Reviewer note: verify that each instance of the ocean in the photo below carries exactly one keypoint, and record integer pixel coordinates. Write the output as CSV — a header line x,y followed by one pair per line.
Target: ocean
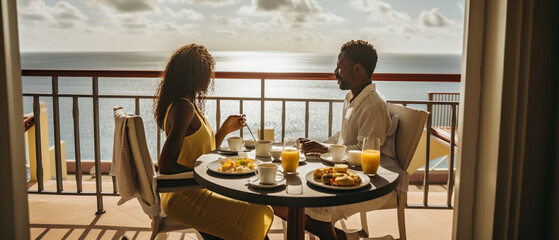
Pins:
x,y
260,61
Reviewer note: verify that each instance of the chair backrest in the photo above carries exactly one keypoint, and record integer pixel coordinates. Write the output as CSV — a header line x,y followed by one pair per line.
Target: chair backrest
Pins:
x,y
140,163
410,126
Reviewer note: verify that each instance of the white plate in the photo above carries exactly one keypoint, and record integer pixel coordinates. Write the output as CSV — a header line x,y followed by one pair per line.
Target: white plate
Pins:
x,y
328,158
217,163
256,183
364,181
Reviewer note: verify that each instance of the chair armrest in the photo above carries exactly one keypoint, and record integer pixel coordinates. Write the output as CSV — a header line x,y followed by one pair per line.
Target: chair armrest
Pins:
x,y
176,182
182,175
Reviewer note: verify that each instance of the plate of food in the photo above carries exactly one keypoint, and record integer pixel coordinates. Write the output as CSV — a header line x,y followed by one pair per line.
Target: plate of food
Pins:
x,y
337,178
233,166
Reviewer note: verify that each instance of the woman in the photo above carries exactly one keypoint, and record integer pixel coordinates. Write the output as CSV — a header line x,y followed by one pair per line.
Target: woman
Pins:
x,y
178,106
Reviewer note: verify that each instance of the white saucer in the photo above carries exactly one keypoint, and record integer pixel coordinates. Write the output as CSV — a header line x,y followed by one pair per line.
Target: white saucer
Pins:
x,y
328,158
227,150
269,155
256,183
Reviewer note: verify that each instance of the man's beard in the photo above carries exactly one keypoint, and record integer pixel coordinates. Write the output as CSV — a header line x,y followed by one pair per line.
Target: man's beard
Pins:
x,y
343,84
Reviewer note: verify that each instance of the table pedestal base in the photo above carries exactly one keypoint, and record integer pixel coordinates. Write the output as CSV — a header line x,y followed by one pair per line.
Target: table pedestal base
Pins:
x,y
295,223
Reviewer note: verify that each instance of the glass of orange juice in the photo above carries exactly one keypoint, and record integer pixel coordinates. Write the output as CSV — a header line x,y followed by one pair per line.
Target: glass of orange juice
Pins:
x,y
289,156
370,157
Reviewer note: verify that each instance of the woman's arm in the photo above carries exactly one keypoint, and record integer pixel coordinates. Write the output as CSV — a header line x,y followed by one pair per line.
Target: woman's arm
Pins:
x,y
231,124
178,121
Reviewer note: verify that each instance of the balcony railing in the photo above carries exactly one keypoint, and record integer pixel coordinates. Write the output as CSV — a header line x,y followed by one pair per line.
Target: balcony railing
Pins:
x,y
95,75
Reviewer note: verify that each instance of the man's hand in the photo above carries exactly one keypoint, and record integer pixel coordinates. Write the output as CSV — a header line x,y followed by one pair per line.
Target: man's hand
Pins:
x,y
310,146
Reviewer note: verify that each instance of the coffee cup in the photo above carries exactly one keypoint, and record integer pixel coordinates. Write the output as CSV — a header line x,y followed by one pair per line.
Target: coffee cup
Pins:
x,y
337,151
276,153
263,148
354,157
266,172
249,142
235,143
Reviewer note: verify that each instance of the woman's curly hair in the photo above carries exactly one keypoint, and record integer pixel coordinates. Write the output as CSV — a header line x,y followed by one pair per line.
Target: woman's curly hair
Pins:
x,y
189,74
360,51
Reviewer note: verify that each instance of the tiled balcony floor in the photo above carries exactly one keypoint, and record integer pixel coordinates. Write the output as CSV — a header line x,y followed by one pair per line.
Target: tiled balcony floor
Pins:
x,y
73,217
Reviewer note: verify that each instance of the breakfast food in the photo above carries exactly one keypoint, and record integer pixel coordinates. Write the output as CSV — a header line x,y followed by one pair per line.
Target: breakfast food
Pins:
x,y
342,168
336,176
238,165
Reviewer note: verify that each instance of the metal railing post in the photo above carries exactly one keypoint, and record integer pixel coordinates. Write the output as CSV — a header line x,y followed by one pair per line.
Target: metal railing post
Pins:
x,y
56,120
38,143
427,155
76,118
282,120
137,106
241,112
158,142
330,118
217,114
98,186
450,185
307,119
262,104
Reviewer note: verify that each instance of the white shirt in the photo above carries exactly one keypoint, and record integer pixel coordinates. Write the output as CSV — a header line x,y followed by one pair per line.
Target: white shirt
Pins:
x,y
366,116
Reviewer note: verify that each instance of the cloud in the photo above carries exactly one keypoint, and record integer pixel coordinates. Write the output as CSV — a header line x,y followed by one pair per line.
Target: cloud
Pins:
x,y
156,19
130,6
183,14
211,3
66,12
62,15
433,18
231,22
143,24
293,13
380,12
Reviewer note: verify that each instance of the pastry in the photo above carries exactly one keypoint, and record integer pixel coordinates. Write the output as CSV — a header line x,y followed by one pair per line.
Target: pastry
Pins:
x,y
341,168
345,181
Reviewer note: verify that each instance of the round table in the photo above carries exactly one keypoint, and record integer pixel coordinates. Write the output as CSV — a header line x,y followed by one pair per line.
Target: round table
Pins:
x,y
238,187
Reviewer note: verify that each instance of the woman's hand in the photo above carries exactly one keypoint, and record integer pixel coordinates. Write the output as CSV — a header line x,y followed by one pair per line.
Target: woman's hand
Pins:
x,y
233,123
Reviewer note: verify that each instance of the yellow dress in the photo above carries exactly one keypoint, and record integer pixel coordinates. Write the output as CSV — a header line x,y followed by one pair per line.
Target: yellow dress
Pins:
x,y
210,212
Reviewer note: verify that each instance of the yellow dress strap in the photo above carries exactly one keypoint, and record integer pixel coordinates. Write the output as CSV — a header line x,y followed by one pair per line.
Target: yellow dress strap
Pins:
x,y
193,146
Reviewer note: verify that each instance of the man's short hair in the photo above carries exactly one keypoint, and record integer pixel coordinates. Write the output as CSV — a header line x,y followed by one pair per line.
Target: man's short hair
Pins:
x,y
360,51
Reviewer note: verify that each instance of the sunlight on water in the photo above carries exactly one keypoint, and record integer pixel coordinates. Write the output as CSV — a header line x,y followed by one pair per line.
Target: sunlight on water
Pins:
x,y
251,61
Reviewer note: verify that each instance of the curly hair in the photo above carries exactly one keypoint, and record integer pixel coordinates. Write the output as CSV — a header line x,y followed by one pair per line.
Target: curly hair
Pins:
x,y
360,51
189,74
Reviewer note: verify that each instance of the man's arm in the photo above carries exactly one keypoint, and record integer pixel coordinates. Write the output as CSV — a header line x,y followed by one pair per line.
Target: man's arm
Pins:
x,y
308,145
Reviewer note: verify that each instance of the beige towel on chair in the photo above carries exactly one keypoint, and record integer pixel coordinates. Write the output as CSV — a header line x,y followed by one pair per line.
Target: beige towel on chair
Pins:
x,y
122,165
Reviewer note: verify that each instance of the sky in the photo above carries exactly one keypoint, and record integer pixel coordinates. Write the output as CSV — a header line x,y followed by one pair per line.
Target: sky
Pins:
x,y
399,26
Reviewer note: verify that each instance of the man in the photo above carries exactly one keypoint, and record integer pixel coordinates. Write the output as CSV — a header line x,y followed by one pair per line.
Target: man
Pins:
x,y
365,114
